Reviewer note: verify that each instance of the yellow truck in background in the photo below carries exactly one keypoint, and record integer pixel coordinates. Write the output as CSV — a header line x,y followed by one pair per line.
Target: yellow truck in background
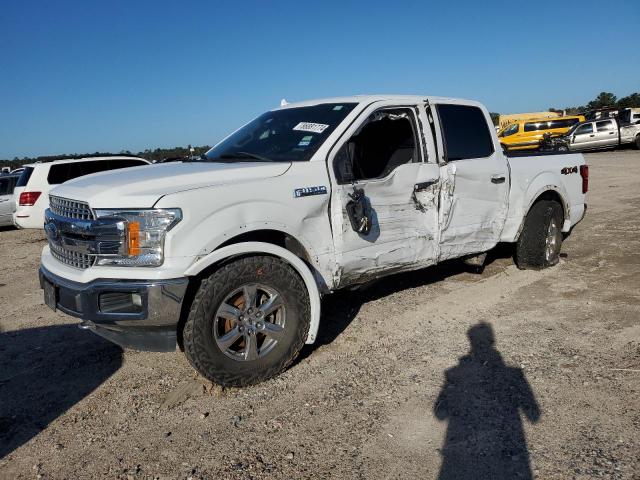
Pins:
x,y
527,134
510,118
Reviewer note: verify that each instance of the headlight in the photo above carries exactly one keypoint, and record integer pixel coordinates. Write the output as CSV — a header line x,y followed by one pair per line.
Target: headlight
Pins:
x,y
144,235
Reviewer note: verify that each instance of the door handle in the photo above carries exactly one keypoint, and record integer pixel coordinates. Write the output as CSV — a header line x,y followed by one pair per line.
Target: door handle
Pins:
x,y
612,133
423,185
592,135
498,179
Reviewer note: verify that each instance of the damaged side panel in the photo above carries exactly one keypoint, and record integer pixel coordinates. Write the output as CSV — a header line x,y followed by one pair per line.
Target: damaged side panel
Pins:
x,y
403,233
473,205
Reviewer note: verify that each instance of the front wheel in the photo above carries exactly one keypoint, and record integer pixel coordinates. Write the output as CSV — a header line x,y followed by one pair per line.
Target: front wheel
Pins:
x,y
637,143
541,237
248,321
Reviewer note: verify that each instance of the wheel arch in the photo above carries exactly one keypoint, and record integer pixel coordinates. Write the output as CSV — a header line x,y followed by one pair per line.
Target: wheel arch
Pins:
x,y
548,192
248,244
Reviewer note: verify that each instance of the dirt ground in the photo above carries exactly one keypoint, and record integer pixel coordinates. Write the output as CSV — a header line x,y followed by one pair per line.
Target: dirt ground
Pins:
x,y
441,373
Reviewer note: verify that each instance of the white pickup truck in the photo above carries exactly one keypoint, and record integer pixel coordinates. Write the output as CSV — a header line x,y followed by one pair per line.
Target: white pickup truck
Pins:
x,y
229,256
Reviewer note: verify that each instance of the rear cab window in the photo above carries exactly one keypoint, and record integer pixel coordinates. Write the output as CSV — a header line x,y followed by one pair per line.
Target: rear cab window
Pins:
x,y
605,126
465,132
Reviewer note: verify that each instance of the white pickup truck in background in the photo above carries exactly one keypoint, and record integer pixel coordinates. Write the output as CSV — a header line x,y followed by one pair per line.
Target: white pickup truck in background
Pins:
x,y
594,135
228,256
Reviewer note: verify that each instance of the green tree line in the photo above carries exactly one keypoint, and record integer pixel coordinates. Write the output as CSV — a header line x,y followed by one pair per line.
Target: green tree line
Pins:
x,y
603,100
152,155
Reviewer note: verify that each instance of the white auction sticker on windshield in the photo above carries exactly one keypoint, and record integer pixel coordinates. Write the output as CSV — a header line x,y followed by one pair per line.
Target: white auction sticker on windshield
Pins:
x,y
311,127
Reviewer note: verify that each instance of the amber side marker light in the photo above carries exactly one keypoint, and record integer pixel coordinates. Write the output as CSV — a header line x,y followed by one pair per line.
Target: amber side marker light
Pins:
x,y
133,239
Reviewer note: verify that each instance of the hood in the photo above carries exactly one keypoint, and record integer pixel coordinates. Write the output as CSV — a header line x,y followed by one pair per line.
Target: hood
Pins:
x,y
142,187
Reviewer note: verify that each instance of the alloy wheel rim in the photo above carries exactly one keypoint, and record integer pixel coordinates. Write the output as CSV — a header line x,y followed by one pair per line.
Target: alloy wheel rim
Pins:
x,y
551,244
249,322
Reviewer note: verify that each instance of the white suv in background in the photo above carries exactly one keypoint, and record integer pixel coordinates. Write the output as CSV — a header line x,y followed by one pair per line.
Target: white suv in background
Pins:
x,y
32,190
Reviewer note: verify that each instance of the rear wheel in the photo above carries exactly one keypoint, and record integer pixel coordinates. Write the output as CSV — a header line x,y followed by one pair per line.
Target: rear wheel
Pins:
x,y
638,142
247,322
541,238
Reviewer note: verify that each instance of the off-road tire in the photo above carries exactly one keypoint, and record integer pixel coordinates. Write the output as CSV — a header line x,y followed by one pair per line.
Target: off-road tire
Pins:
x,y
532,244
200,347
637,142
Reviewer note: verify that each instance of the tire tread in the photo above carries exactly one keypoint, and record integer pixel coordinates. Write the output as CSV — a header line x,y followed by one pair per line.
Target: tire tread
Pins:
x,y
201,310
530,248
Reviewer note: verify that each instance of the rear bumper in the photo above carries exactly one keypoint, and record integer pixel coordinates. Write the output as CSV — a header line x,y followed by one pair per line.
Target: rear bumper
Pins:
x,y
147,323
28,217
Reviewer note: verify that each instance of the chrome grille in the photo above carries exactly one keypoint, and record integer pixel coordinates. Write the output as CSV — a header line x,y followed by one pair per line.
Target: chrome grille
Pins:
x,y
73,259
73,210
70,208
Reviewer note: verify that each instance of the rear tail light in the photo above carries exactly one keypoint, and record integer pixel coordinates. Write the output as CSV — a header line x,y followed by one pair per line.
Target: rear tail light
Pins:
x,y
28,199
584,173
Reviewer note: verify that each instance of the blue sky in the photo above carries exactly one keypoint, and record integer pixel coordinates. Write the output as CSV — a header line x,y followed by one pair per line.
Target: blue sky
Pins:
x,y
82,76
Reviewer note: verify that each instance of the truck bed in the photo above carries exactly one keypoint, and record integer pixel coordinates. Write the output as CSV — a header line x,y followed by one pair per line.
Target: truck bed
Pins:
x,y
532,175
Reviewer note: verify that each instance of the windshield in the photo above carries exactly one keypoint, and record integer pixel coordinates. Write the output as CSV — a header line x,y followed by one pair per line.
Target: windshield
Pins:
x,y
509,130
287,135
573,129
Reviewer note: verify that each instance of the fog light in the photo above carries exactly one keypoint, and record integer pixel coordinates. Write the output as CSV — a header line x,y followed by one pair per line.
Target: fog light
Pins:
x,y
136,299
120,302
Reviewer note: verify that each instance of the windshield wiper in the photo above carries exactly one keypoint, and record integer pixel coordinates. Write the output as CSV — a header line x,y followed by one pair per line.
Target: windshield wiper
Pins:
x,y
242,155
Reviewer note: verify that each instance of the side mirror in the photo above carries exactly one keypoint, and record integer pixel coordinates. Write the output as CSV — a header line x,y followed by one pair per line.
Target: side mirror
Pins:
x,y
359,212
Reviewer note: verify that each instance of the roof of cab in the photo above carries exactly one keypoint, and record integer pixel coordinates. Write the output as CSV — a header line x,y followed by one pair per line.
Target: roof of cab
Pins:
x,y
367,99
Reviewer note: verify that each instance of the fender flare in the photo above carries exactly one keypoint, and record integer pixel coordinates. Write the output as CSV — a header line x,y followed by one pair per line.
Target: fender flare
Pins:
x,y
534,198
270,249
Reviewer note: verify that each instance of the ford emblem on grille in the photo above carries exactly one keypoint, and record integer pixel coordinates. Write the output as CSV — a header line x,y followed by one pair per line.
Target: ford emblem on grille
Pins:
x,y
52,232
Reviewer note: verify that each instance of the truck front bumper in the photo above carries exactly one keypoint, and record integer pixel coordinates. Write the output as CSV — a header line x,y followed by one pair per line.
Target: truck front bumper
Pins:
x,y
137,314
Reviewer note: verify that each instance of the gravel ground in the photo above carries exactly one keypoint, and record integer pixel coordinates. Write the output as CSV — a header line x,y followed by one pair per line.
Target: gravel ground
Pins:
x,y
440,373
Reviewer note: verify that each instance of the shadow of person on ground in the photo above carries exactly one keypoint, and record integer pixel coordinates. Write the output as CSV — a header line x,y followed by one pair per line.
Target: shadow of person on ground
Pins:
x,y
482,399
44,372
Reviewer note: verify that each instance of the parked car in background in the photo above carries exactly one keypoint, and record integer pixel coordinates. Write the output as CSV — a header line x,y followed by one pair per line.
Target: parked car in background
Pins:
x,y
7,205
594,135
527,134
32,189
